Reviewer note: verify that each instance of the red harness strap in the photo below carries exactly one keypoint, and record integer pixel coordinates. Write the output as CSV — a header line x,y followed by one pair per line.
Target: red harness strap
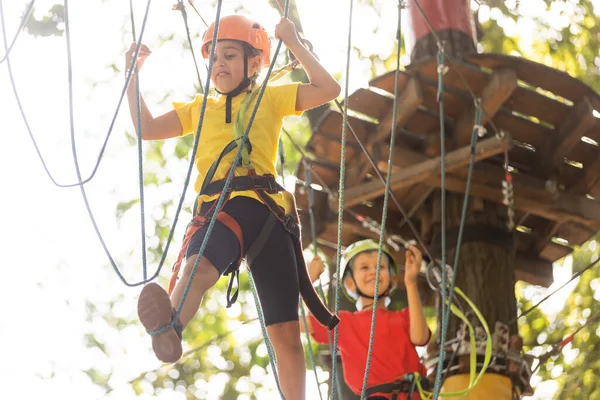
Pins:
x,y
197,223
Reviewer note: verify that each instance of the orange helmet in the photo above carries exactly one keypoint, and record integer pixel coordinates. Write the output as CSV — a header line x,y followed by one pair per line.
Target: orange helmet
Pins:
x,y
243,29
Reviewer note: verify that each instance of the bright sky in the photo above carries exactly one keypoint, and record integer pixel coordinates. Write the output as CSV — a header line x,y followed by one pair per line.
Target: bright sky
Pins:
x,y
53,261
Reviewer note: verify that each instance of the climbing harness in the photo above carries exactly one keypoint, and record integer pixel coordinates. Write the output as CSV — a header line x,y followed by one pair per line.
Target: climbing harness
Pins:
x,y
262,185
406,384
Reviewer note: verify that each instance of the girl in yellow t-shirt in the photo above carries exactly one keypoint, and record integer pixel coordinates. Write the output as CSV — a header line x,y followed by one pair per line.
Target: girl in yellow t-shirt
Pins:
x,y
241,50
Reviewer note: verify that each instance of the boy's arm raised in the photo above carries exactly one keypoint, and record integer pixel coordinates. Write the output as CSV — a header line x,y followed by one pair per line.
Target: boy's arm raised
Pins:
x,y
315,269
163,127
419,331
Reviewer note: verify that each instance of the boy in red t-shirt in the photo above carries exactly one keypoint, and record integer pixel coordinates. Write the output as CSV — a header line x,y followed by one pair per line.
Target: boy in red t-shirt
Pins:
x,y
396,332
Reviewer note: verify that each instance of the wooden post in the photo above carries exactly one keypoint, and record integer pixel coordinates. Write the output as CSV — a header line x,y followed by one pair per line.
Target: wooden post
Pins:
x,y
452,21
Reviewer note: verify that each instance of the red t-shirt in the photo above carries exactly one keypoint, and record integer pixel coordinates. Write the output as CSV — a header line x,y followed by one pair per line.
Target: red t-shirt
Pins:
x,y
393,353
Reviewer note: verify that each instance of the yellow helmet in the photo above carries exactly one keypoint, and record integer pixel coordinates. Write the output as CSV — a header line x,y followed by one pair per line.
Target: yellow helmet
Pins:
x,y
352,251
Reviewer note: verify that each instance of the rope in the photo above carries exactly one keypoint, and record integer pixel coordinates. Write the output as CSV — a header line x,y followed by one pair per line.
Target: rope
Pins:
x,y
114,118
84,194
311,354
385,206
365,221
341,202
261,318
450,58
139,147
181,7
392,195
195,9
473,378
444,283
556,348
575,276
308,340
24,20
313,231
74,148
446,317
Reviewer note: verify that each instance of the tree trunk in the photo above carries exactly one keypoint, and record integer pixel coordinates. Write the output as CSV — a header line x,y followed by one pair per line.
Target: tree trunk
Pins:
x,y
485,271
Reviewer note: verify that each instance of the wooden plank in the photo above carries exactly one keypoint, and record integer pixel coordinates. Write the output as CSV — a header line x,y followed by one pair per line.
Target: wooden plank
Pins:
x,y
595,191
522,129
456,76
567,136
528,102
533,270
386,81
564,207
574,233
590,178
495,93
426,169
454,104
328,147
423,122
323,173
554,251
533,190
539,75
584,153
368,102
331,124
410,98
566,174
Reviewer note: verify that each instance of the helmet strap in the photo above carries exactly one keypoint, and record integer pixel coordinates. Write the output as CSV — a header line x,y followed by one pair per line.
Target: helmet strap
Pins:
x,y
246,82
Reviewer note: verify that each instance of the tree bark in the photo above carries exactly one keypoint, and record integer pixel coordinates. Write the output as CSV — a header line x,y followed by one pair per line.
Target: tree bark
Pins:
x,y
485,271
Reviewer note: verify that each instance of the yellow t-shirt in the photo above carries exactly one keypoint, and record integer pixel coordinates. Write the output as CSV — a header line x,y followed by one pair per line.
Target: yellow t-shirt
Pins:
x,y
277,102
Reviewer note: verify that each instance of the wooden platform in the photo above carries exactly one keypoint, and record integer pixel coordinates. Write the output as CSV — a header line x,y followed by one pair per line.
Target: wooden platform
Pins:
x,y
552,133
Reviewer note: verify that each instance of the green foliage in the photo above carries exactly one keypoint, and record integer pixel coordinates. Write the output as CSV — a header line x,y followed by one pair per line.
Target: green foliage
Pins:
x,y
567,33
51,24
575,366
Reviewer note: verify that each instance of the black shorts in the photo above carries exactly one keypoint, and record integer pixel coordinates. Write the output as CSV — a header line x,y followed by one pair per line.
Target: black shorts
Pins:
x,y
274,269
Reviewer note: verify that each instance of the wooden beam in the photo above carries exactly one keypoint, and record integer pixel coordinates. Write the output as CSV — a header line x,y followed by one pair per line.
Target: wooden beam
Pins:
x,y
495,93
410,98
533,270
568,135
591,176
424,170
563,206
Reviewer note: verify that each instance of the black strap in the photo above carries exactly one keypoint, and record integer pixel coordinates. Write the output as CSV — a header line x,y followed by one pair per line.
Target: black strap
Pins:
x,y
307,290
213,168
261,239
400,386
235,276
265,183
178,327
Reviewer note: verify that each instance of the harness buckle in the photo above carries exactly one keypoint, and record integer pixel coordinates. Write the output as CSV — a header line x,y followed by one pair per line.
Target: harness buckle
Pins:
x,y
267,183
291,225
